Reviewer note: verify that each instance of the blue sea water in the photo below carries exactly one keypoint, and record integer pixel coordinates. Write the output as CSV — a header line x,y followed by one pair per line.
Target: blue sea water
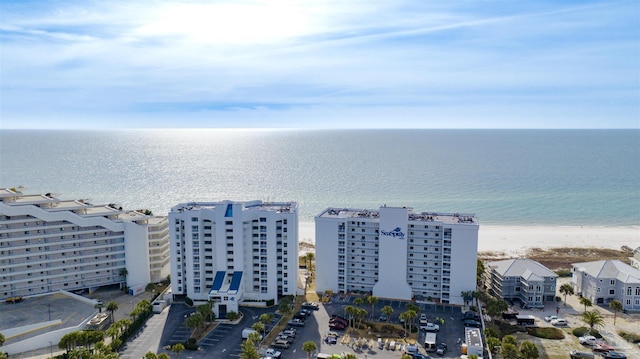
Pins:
x,y
505,177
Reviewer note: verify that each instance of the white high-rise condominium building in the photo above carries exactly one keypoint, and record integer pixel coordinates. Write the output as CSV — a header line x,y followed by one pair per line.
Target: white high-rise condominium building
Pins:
x,y
396,253
48,244
231,251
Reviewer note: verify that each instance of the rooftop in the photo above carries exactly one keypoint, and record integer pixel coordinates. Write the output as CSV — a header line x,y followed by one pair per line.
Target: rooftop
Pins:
x,y
256,205
451,218
609,269
521,267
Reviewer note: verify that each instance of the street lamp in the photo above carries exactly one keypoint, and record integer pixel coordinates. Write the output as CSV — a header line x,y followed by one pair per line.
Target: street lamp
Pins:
x,y
49,305
50,349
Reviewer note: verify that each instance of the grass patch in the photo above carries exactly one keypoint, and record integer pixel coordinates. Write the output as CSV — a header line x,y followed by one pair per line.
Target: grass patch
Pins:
x,y
501,328
546,332
630,337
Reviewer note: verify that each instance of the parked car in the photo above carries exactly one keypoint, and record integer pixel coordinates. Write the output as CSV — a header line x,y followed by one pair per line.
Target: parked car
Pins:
x,y
614,355
296,323
333,334
330,340
423,316
285,338
270,352
383,318
575,354
602,348
310,305
472,323
411,348
559,322
430,327
280,344
441,349
290,332
588,340
470,316
337,326
550,318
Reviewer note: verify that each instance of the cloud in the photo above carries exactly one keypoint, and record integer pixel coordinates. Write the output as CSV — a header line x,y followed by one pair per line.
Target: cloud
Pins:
x,y
244,62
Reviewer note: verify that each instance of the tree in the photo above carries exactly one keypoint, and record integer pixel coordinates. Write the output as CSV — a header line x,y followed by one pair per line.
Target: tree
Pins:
x,y
412,315
231,315
593,319
387,310
566,289
479,270
350,311
99,306
194,321
616,306
528,350
586,302
493,344
466,295
249,350
508,351
259,327
371,300
509,339
112,306
163,356
360,314
309,347
2,339
177,348
309,259
284,308
123,273
495,307
358,302
206,311
404,317
150,355
266,318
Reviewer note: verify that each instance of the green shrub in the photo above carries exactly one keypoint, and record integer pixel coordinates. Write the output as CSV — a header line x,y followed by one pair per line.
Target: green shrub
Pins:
x,y
499,328
630,337
188,301
563,272
271,302
191,344
580,331
546,333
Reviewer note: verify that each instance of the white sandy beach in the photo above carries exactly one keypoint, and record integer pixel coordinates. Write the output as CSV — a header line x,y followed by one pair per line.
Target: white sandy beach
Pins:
x,y
516,239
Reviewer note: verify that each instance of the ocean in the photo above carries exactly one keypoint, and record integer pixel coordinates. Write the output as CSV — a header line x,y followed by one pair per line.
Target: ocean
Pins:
x,y
504,177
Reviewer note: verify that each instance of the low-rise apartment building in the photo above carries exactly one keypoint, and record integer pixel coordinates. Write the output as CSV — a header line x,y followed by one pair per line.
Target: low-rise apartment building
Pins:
x,y
48,244
606,280
521,279
233,251
397,253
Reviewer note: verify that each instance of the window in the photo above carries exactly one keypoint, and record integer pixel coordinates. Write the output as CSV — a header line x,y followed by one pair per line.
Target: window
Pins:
x,y
194,219
613,282
637,290
598,290
629,290
612,291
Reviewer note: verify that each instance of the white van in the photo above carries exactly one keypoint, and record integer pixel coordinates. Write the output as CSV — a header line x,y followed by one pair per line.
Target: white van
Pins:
x,y
430,339
247,331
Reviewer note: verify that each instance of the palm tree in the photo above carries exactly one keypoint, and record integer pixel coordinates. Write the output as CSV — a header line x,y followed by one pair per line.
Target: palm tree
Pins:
x,y
112,306
358,302
360,314
163,356
586,302
99,306
259,327
593,319
351,311
616,306
309,347
404,316
177,348
309,258
412,315
387,310
566,289
528,350
372,301
123,273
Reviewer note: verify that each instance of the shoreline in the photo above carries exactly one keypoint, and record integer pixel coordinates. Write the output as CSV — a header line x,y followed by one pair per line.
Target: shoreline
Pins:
x,y
515,240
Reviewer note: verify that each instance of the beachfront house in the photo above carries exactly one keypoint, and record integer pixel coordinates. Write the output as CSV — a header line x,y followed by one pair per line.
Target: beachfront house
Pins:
x,y
606,280
522,280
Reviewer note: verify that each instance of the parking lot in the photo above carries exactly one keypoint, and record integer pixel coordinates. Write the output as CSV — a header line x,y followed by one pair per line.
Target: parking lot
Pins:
x,y
225,340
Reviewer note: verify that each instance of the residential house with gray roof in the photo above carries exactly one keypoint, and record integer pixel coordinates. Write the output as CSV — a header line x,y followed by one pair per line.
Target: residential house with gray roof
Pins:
x,y
606,280
521,279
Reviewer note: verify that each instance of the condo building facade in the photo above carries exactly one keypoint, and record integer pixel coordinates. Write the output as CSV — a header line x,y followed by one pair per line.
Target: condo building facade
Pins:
x,y
231,251
49,244
397,253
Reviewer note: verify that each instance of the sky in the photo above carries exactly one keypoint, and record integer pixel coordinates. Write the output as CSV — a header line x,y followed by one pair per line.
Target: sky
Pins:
x,y
319,64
